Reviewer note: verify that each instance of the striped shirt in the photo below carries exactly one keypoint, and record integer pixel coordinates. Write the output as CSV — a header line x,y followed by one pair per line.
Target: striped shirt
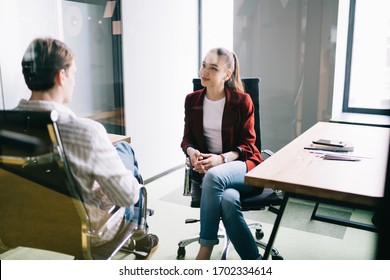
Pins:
x,y
103,179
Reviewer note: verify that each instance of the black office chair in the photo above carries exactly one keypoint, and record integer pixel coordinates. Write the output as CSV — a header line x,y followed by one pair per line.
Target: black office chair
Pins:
x,y
268,198
40,202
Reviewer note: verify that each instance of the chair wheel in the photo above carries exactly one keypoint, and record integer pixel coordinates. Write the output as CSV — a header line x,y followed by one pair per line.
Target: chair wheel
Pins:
x,y
259,234
277,258
181,253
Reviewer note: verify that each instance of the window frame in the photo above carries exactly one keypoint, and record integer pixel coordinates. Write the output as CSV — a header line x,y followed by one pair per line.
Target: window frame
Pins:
x,y
345,106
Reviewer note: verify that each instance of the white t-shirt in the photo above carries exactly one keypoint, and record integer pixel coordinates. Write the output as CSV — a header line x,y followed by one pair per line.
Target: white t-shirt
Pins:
x,y
212,124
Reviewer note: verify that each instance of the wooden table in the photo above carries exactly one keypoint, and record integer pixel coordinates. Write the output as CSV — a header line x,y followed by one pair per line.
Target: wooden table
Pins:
x,y
115,138
299,172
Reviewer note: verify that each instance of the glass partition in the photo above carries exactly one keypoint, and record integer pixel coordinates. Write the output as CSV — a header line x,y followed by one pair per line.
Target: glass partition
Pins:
x,y
92,29
290,46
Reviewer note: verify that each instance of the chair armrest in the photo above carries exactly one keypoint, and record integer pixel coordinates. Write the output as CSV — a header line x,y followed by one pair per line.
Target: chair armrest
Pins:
x,y
112,214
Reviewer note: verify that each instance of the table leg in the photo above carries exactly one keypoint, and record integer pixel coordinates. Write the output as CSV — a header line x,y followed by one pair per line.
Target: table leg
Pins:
x,y
276,226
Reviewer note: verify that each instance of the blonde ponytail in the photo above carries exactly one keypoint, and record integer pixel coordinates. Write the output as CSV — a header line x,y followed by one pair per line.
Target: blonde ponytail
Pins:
x,y
234,82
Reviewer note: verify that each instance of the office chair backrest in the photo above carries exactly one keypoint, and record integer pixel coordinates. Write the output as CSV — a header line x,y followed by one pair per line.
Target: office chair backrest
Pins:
x,y
40,206
252,87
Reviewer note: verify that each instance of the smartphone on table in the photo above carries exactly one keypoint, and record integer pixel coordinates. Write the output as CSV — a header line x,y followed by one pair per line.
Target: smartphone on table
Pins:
x,y
328,142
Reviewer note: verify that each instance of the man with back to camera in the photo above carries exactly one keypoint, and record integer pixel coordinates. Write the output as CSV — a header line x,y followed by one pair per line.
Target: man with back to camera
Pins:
x,y
107,175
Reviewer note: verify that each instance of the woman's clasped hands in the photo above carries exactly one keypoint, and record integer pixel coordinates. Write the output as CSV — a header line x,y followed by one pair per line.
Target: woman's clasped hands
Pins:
x,y
202,162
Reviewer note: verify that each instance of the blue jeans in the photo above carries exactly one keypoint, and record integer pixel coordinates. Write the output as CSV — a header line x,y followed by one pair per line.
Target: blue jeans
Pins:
x,y
222,186
127,155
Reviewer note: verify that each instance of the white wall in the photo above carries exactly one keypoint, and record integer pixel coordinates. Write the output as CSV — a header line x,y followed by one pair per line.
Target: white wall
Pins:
x,y
159,59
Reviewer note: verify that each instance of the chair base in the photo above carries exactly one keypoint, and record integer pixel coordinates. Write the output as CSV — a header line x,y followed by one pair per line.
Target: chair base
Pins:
x,y
259,234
